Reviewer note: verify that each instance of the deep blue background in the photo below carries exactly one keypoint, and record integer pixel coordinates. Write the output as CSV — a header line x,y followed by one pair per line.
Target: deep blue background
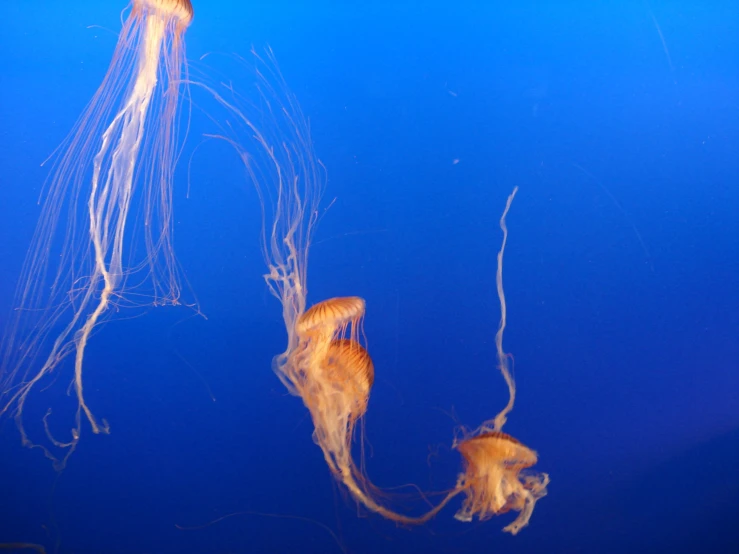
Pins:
x,y
621,275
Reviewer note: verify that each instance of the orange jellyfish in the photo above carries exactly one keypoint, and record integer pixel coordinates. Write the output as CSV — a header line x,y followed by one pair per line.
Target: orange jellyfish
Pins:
x,y
492,480
333,374
106,222
324,362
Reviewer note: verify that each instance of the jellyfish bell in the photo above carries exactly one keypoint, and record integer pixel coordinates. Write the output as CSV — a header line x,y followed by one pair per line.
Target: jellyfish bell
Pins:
x,y
180,9
332,313
350,365
115,169
493,482
331,318
349,369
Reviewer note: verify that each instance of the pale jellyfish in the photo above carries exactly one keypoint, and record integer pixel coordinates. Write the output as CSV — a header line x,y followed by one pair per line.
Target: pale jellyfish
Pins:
x,y
106,222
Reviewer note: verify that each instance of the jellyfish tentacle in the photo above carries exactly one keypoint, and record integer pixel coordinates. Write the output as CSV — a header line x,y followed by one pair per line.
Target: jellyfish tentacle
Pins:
x,y
503,358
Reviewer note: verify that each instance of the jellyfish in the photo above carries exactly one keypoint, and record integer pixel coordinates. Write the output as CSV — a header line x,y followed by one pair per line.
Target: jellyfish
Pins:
x,y
493,479
493,482
106,224
333,374
325,362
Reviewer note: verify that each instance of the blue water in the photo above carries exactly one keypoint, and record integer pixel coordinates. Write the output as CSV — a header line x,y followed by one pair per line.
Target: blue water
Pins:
x,y
620,124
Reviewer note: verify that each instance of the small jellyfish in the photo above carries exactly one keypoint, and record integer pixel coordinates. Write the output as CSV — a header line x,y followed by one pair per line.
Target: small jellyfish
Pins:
x,y
492,479
106,223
